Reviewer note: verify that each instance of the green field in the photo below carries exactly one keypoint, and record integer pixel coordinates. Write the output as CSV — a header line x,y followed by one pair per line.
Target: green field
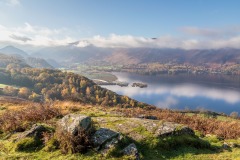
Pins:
x,y
101,75
3,85
106,76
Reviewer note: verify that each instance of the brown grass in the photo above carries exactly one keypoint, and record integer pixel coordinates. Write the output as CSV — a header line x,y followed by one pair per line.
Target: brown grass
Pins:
x,y
223,129
21,116
18,120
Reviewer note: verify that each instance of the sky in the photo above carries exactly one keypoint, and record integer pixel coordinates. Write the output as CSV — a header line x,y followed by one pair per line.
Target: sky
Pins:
x,y
188,24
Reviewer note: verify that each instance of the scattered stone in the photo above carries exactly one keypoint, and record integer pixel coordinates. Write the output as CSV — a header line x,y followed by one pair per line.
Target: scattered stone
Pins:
x,y
104,138
147,117
225,145
230,145
72,122
36,132
131,150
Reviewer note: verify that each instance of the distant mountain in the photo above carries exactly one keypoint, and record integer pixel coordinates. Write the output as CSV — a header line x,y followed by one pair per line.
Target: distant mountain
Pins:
x,y
73,54
147,55
38,63
11,50
91,54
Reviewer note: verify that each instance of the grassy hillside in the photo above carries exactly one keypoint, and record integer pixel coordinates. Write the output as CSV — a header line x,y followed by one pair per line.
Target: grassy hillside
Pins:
x,y
171,147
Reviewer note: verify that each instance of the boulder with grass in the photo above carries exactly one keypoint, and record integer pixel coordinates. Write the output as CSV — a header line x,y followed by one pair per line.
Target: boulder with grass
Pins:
x,y
73,122
74,132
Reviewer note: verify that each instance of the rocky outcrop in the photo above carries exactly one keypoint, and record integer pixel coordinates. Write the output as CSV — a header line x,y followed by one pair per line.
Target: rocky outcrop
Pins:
x,y
109,135
134,127
72,122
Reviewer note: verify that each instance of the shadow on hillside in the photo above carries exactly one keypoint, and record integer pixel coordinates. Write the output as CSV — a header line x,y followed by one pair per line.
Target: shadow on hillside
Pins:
x,y
170,146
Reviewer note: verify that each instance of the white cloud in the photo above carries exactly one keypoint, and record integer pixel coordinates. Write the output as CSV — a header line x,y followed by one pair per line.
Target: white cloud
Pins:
x,y
126,41
35,35
12,3
43,36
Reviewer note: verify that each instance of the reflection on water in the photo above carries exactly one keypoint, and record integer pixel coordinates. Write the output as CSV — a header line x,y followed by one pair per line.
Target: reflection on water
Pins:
x,y
216,93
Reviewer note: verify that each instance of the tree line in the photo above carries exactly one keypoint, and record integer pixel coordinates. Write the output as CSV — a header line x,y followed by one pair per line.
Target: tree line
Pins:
x,y
48,85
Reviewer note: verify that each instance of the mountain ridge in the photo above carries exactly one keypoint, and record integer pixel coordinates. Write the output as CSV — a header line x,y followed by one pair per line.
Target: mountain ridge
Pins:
x,y
126,56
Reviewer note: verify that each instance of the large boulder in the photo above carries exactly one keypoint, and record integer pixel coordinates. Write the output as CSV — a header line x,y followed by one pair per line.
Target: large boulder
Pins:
x,y
73,122
105,138
131,150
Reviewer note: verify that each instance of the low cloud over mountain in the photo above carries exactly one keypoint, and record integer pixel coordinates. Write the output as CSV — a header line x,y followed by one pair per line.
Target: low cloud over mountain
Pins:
x,y
190,38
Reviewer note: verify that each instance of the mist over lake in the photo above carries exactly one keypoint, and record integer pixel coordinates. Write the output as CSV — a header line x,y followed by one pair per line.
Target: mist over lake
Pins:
x,y
218,93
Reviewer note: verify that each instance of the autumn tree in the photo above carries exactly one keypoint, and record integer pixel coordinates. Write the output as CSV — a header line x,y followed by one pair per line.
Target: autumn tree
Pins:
x,y
24,92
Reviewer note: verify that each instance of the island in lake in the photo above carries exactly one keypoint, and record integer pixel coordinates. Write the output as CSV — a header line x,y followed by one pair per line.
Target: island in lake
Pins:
x,y
140,85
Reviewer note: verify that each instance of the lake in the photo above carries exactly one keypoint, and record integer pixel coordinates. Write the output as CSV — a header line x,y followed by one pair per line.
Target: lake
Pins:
x,y
218,93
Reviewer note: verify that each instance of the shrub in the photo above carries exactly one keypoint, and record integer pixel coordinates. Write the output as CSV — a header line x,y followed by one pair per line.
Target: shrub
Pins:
x,y
234,115
69,143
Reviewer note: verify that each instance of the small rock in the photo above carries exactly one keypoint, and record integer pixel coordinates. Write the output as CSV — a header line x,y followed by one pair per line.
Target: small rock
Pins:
x,y
102,136
36,132
147,117
225,146
173,129
131,150
72,122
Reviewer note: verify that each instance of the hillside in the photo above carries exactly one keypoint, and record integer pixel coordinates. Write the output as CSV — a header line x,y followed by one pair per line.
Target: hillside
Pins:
x,y
47,85
36,131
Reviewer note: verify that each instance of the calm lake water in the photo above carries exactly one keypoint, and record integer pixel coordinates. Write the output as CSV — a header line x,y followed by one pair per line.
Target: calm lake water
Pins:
x,y
212,92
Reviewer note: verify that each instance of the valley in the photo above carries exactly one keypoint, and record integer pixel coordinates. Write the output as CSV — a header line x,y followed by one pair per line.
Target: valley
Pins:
x,y
119,80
